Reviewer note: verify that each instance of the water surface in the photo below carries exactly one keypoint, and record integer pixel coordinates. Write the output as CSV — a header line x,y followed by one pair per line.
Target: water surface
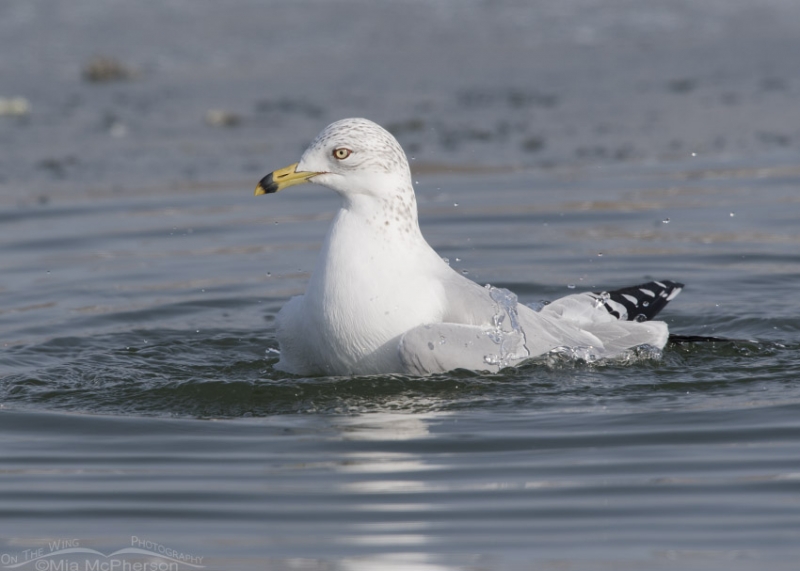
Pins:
x,y
140,396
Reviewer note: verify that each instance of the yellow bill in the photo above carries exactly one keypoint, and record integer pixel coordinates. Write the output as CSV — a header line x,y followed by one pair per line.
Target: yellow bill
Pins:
x,y
283,178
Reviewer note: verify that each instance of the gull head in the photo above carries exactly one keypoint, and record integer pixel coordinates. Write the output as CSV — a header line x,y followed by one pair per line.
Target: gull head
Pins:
x,y
352,157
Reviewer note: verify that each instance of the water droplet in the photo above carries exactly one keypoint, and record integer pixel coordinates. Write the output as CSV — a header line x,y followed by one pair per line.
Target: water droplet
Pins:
x,y
197,331
269,274
446,261
465,272
694,154
645,304
733,214
458,259
571,286
640,318
430,345
601,300
665,221
455,204
600,254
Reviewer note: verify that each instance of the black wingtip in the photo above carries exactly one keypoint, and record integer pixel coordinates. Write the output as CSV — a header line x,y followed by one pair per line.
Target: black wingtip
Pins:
x,y
641,302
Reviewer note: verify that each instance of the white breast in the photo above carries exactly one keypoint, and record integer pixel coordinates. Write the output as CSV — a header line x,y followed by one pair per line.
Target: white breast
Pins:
x,y
373,282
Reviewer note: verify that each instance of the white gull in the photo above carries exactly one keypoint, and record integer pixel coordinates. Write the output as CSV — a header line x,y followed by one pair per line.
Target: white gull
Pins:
x,y
381,300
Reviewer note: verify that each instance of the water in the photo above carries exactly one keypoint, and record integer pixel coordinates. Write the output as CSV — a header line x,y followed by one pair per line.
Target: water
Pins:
x,y
579,149
142,400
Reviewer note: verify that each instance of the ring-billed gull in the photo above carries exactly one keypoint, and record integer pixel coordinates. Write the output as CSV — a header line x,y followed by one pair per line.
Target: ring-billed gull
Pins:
x,y
381,300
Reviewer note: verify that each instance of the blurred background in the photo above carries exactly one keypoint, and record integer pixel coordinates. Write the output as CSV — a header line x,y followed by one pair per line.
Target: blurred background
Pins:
x,y
124,94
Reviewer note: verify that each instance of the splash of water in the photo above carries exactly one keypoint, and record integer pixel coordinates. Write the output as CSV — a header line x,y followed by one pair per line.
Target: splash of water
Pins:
x,y
601,299
566,354
511,339
586,354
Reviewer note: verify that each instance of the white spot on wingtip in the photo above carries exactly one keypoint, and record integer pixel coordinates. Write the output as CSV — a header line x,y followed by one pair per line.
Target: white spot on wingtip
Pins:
x,y
673,293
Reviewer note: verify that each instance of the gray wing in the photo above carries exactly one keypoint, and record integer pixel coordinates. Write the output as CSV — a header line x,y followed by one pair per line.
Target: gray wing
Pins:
x,y
441,347
485,329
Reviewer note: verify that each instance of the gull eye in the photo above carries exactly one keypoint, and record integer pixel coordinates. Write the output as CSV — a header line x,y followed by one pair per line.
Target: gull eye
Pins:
x,y
341,153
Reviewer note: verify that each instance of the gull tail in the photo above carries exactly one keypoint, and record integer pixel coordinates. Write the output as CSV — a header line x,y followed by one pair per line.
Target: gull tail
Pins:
x,y
643,302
